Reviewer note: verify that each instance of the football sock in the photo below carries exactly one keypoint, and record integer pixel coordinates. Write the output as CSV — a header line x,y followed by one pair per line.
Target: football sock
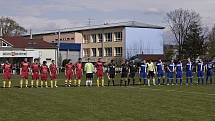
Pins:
x,y
144,81
187,81
79,82
148,82
180,81
97,82
163,81
198,80
46,84
91,83
55,83
159,80
75,82
32,83
128,81
140,81
65,82
86,82
41,83
154,82
211,80
51,83
113,82
108,82
26,83
21,83
191,80
37,83
103,82
133,81
70,82
9,84
202,81
4,84
176,81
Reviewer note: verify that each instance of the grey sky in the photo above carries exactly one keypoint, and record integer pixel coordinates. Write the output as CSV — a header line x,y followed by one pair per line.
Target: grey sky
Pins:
x,y
42,15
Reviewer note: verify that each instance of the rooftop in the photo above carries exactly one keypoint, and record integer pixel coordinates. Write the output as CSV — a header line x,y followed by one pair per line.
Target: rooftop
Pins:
x,y
134,24
21,42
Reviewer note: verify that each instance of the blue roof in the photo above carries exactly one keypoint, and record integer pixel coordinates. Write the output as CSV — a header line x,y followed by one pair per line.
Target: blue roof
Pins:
x,y
70,46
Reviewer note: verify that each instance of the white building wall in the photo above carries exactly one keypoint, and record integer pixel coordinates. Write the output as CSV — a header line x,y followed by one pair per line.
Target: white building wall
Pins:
x,y
146,40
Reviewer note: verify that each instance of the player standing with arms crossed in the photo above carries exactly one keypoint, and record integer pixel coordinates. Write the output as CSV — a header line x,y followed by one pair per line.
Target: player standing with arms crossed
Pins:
x,y
79,71
124,72
151,72
160,71
179,72
143,72
89,69
200,71
53,73
69,73
24,69
111,72
189,72
44,71
209,68
35,70
7,72
99,72
132,72
170,72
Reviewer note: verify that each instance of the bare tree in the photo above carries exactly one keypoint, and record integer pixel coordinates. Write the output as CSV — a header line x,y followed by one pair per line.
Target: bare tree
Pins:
x,y
11,27
179,22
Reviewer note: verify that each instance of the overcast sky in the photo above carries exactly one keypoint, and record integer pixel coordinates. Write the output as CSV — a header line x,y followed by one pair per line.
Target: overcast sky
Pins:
x,y
42,15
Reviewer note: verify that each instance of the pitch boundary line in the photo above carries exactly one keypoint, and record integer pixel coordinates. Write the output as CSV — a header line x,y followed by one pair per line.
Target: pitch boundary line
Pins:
x,y
177,91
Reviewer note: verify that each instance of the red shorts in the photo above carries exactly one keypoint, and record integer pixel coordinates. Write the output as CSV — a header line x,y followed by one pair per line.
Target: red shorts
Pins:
x,y
69,76
35,76
99,74
78,75
7,76
24,75
53,76
44,76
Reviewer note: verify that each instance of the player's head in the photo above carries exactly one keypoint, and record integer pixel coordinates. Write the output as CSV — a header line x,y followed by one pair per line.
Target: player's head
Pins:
x,y
172,61
35,61
112,61
144,61
44,62
188,60
79,60
179,61
100,60
70,61
6,61
53,61
88,59
159,60
25,59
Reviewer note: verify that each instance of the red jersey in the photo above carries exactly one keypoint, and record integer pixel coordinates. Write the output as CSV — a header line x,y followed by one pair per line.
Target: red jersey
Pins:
x,y
24,66
79,67
7,68
99,66
69,68
35,68
44,69
53,68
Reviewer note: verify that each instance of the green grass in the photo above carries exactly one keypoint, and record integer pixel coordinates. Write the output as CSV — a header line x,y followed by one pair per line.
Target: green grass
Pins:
x,y
137,103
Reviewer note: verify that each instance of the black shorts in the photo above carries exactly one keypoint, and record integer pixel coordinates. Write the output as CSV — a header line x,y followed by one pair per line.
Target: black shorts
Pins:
x,y
89,75
151,74
112,76
132,75
124,75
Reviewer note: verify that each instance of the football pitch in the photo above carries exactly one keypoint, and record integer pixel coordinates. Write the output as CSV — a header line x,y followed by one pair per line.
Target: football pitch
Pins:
x,y
132,103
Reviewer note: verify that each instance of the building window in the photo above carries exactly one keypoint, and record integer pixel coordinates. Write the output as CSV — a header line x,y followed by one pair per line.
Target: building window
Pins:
x,y
108,37
93,52
100,52
68,38
100,38
86,39
108,52
86,52
118,36
93,38
118,51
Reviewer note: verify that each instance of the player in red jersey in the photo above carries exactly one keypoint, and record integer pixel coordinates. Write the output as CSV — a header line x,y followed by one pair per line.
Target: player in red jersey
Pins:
x,y
53,73
69,73
79,71
7,70
99,72
35,70
44,70
24,69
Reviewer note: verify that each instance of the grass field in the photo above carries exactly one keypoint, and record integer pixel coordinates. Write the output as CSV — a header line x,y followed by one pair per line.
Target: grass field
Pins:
x,y
133,103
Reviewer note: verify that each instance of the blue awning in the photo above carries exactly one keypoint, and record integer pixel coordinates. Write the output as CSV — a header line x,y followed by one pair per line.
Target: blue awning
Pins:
x,y
70,46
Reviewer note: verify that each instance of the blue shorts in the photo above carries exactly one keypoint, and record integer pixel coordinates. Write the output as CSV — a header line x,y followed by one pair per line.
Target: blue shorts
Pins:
x,y
143,75
160,74
189,74
170,75
179,75
200,74
209,73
